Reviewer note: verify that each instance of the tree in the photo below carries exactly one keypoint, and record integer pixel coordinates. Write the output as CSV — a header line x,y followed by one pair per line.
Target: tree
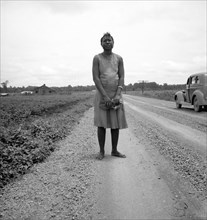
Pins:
x,y
165,86
142,85
4,85
152,85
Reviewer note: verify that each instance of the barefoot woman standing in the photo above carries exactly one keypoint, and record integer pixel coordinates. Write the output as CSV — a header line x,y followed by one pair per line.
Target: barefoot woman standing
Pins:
x,y
108,76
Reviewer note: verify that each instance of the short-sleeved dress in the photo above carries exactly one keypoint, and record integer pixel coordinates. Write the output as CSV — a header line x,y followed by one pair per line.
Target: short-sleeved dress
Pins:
x,y
110,118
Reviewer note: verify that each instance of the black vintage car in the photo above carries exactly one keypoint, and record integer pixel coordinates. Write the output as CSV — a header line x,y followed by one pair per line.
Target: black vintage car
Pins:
x,y
195,92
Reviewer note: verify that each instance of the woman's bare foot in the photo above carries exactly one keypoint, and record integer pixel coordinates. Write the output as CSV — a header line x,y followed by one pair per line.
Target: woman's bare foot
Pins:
x,y
118,154
100,156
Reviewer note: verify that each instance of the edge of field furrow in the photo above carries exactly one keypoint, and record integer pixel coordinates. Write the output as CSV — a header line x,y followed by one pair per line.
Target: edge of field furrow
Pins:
x,y
28,143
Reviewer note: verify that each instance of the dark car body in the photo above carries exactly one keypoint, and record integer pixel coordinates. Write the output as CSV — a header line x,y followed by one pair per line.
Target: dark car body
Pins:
x,y
195,92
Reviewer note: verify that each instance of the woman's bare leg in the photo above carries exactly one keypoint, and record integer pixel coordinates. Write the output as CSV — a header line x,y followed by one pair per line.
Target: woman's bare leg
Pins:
x,y
114,141
101,139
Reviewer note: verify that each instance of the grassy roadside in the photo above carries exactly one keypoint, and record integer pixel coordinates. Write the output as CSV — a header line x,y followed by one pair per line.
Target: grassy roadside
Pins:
x,y
29,130
167,95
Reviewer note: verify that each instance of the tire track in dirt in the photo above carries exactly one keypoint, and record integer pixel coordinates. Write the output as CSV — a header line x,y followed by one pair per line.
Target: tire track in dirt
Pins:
x,y
190,134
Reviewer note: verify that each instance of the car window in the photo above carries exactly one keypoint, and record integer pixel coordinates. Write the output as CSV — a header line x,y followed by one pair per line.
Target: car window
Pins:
x,y
188,81
195,80
198,81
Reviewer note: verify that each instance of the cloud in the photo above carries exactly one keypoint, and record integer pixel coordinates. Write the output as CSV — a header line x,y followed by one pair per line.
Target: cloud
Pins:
x,y
197,64
66,7
167,71
200,61
49,6
53,42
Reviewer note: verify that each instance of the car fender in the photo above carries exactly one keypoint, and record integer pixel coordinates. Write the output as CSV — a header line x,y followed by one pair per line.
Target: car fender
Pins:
x,y
200,97
179,96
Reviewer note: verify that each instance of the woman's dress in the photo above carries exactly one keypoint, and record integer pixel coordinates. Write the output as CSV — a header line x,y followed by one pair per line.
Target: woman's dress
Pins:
x,y
110,118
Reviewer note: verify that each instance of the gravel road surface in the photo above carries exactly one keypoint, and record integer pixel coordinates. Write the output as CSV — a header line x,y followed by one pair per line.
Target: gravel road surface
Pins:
x,y
163,176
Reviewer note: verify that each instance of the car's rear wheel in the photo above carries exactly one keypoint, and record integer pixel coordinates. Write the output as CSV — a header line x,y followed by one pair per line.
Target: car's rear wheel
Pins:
x,y
178,105
196,105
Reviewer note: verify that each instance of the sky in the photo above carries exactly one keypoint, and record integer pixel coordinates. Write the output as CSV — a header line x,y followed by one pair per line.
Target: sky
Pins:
x,y
54,42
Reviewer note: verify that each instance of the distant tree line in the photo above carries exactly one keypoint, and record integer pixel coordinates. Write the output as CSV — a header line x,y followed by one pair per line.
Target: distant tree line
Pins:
x,y
141,86
144,86
69,89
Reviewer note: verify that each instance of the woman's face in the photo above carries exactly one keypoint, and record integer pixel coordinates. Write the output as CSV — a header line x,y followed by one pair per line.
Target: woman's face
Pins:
x,y
107,43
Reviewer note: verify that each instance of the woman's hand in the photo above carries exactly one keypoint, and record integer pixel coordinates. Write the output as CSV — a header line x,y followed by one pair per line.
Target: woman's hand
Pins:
x,y
108,101
116,99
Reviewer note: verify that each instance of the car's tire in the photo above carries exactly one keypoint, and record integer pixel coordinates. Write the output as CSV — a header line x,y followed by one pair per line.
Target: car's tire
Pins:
x,y
205,107
196,105
178,105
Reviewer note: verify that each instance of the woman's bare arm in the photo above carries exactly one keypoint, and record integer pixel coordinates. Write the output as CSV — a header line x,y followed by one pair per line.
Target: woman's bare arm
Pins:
x,y
97,81
121,74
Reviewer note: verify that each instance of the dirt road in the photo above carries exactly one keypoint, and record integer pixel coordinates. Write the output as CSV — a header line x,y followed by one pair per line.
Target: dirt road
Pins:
x,y
166,151
163,176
